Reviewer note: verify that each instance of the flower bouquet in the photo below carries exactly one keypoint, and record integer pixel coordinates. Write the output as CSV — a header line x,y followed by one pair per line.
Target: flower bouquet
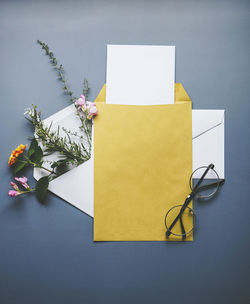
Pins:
x,y
47,141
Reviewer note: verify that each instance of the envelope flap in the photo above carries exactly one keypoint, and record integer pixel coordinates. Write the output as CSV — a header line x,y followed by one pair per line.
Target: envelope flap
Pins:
x,y
181,95
205,120
102,94
60,114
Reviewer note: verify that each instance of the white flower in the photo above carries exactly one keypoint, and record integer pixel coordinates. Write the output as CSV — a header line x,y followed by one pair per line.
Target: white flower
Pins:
x,y
27,111
32,114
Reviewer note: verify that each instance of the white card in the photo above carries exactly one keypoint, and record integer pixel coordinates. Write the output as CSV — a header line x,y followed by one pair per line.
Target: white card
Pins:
x,y
140,74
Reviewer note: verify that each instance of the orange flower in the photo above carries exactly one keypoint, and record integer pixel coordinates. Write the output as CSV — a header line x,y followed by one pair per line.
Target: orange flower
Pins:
x,y
15,153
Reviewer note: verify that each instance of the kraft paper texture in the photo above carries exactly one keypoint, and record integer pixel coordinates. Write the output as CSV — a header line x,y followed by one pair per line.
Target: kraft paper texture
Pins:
x,y
142,165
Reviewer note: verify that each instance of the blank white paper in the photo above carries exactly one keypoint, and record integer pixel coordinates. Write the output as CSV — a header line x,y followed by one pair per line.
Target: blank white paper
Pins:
x,y
140,74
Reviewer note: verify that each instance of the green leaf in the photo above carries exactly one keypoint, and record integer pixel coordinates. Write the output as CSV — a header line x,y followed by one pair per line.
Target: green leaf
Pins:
x,y
54,165
42,187
33,147
37,154
30,152
19,166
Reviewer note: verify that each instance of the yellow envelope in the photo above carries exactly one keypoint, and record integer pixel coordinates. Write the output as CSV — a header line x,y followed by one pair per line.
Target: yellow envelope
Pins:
x,y
142,165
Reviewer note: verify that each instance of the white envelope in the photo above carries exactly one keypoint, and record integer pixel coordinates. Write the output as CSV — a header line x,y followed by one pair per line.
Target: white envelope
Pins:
x,y
208,140
77,185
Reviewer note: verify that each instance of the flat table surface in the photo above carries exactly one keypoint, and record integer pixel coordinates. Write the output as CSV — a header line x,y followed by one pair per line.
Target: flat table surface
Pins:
x,y
47,254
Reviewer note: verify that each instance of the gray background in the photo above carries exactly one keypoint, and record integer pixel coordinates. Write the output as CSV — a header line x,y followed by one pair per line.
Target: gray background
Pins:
x,y
46,253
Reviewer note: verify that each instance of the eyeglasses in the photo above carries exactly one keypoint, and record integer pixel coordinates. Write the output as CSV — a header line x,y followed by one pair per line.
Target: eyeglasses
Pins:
x,y
203,189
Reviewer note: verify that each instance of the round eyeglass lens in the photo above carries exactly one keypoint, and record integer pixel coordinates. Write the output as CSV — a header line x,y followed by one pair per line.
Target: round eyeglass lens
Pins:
x,y
187,217
209,185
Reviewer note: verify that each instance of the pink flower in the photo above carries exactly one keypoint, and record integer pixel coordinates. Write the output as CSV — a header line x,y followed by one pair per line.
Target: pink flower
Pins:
x,y
23,181
14,186
13,193
81,102
92,110
86,106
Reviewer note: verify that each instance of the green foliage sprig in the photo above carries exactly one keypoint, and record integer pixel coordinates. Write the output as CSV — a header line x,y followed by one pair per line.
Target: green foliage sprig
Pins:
x,y
71,152
48,141
86,125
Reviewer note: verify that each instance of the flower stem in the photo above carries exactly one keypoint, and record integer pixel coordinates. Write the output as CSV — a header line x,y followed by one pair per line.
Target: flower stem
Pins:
x,y
27,190
39,166
51,171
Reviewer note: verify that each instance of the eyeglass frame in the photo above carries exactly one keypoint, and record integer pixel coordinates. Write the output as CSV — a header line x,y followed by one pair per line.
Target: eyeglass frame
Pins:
x,y
189,198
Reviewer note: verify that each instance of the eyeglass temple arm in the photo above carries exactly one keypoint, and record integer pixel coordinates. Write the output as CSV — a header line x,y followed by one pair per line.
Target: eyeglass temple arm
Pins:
x,y
211,166
212,185
183,231
188,199
221,182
